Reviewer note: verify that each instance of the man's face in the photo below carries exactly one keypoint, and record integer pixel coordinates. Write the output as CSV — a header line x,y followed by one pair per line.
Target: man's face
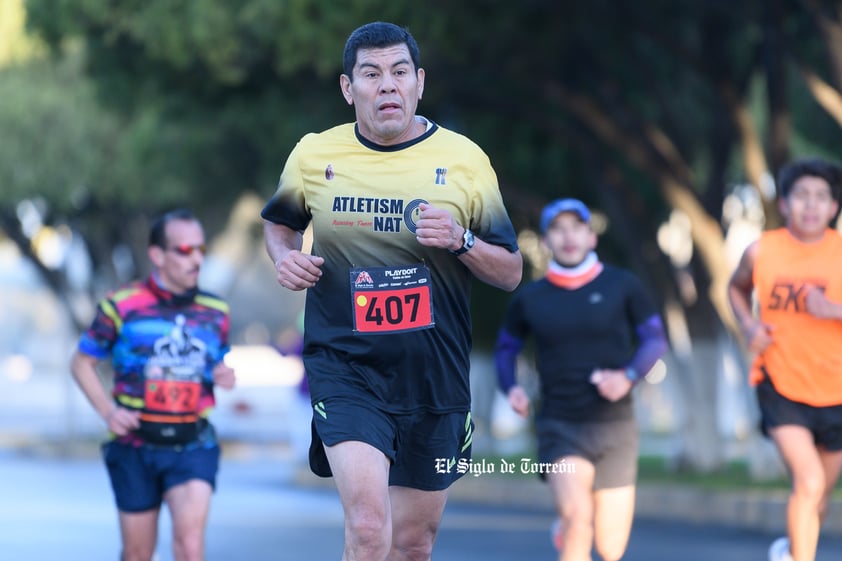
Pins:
x,y
569,239
809,208
385,93
178,264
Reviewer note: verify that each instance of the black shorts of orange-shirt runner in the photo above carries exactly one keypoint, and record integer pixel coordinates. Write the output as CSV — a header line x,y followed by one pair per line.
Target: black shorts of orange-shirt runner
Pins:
x,y
824,423
611,446
426,449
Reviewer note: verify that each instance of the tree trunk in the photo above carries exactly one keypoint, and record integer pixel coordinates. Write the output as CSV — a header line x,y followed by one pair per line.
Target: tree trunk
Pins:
x,y
831,32
776,86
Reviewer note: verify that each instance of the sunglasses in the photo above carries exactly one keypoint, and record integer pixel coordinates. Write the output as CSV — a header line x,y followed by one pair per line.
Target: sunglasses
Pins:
x,y
186,250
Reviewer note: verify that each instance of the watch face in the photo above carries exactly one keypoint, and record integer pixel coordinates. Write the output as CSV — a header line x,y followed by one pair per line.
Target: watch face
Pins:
x,y
467,243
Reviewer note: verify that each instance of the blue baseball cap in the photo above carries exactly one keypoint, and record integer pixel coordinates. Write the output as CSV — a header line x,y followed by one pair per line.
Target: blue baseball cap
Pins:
x,y
563,205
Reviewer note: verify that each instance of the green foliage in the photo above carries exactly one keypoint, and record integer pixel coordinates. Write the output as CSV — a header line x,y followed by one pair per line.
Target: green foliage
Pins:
x,y
15,45
733,476
195,101
212,94
248,77
68,150
56,143
657,470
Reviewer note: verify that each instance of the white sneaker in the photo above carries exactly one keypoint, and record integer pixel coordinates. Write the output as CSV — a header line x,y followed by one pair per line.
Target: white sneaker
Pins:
x,y
556,536
779,550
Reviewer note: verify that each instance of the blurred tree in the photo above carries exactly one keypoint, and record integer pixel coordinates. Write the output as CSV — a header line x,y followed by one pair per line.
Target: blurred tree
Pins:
x,y
62,145
662,101
14,44
650,111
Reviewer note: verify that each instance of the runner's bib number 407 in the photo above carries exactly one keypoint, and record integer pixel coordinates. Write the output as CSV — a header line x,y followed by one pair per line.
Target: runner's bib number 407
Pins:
x,y
391,299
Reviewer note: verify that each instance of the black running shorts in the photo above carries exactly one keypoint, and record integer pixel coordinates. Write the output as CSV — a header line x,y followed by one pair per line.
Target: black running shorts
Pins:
x,y
611,446
425,448
825,423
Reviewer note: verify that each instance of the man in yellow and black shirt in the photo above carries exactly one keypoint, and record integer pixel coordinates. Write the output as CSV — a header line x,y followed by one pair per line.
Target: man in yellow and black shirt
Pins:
x,y
404,214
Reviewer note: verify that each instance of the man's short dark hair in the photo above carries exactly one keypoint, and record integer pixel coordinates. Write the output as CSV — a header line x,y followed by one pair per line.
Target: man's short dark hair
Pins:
x,y
813,167
378,35
158,231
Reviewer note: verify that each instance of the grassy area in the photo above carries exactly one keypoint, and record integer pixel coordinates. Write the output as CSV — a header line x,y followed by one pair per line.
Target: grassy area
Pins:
x,y
658,470
733,475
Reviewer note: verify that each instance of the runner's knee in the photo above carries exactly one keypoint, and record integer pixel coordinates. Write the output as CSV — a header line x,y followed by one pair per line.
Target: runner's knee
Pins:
x,y
809,487
137,552
610,549
189,546
369,531
412,552
414,543
578,513
577,523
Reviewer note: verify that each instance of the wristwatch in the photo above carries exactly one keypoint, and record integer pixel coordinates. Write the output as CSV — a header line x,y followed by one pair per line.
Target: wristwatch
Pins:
x,y
467,243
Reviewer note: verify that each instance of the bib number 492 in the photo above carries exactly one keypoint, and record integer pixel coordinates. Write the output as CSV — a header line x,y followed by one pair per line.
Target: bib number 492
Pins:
x,y
172,396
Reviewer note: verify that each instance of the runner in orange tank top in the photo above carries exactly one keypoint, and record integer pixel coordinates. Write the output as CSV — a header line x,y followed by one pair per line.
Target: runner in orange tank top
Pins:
x,y
795,274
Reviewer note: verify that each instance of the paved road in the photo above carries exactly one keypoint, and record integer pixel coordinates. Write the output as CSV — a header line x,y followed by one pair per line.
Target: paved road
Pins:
x,y
53,509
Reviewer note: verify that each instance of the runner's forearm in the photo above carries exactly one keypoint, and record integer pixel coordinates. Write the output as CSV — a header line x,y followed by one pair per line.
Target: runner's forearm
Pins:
x,y
494,265
84,372
505,360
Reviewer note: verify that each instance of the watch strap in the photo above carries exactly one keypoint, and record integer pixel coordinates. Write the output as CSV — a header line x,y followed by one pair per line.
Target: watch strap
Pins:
x,y
467,243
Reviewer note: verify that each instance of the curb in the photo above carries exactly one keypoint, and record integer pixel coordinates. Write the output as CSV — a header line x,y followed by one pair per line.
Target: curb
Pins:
x,y
756,510
751,510
762,510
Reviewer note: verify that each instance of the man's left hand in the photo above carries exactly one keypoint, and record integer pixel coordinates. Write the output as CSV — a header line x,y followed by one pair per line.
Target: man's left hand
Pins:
x,y
611,384
437,228
818,305
223,376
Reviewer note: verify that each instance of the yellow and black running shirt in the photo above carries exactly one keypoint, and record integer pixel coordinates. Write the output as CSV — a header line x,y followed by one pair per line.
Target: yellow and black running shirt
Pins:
x,y
389,318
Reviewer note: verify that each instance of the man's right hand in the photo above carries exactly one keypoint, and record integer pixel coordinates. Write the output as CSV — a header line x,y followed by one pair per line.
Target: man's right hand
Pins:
x,y
519,400
122,421
757,336
298,271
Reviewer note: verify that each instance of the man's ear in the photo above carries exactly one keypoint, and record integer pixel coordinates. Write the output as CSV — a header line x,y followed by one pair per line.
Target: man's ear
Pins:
x,y
420,75
156,255
783,207
345,87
